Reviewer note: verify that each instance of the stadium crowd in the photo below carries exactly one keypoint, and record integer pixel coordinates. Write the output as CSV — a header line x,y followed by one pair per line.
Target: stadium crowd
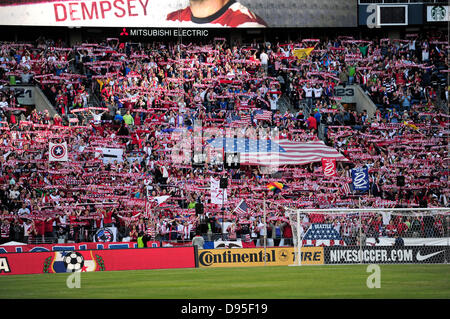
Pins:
x,y
145,98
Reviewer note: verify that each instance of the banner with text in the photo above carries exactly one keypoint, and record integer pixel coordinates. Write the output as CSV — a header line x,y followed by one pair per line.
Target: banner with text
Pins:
x,y
387,255
250,257
179,13
96,260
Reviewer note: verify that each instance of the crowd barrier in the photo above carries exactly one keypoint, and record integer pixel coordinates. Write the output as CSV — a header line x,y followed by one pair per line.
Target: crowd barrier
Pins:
x,y
97,260
65,259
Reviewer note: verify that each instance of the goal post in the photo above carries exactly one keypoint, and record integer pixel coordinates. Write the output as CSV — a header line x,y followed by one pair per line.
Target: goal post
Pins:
x,y
370,235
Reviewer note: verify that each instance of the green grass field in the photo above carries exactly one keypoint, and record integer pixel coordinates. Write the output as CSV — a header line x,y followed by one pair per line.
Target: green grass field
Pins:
x,y
311,282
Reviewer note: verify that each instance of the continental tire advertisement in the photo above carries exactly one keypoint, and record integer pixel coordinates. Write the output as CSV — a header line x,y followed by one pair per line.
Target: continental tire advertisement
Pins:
x,y
248,257
387,255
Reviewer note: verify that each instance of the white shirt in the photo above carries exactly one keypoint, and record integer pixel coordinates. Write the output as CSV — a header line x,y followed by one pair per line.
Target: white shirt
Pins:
x,y
23,211
26,229
317,92
308,91
274,103
264,58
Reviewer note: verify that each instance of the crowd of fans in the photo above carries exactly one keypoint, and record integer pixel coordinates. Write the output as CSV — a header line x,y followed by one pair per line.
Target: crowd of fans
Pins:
x,y
144,98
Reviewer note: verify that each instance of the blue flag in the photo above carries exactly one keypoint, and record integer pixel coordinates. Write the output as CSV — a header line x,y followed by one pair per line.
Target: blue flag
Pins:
x,y
360,179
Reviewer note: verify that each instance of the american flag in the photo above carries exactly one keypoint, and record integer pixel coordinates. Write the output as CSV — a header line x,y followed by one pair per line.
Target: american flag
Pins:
x,y
346,188
243,120
241,208
322,235
276,153
263,115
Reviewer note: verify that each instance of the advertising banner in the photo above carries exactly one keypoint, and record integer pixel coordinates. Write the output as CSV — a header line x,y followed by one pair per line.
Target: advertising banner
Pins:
x,y
180,13
96,260
251,257
71,247
386,255
438,13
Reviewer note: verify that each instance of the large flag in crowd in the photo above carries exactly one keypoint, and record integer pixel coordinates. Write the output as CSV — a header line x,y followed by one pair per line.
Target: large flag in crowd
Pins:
x,y
275,153
322,235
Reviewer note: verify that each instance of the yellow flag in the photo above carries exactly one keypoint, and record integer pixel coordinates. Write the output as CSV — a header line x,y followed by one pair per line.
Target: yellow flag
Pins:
x,y
303,53
410,125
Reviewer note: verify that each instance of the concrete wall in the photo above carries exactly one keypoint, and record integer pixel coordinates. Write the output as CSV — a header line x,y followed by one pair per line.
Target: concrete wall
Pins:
x,y
29,95
354,94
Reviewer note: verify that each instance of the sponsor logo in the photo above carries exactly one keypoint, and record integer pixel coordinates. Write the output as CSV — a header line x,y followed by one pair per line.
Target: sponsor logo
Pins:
x,y
408,254
256,257
438,13
73,261
283,255
421,257
370,255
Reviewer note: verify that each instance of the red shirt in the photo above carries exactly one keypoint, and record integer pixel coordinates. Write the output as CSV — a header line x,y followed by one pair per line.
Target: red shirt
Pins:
x,y
49,226
312,123
107,217
40,227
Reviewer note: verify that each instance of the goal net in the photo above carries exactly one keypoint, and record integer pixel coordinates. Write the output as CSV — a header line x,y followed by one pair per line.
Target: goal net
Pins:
x,y
366,236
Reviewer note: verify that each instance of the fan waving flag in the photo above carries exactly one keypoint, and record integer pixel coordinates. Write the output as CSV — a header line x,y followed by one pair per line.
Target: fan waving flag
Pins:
x,y
276,186
303,53
329,166
276,153
57,152
241,208
262,115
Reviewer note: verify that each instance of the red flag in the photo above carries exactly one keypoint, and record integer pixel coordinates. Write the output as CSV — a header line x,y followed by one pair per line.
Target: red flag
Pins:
x,y
329,166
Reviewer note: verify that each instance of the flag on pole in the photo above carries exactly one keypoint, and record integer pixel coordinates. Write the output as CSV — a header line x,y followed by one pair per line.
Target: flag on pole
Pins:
x,y
241,208
57,152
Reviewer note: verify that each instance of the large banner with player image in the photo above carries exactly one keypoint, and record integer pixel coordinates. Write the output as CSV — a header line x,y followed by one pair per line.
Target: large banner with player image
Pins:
x,y
97,260
180,13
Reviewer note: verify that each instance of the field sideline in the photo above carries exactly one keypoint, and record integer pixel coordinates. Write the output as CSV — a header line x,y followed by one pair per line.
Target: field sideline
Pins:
x,y
310,282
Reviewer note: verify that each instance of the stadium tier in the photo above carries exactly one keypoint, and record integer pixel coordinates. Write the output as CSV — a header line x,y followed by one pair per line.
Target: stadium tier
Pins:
x,y
160,142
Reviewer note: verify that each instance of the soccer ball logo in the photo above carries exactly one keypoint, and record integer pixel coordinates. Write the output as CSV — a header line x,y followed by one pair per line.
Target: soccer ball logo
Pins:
x,y
73,261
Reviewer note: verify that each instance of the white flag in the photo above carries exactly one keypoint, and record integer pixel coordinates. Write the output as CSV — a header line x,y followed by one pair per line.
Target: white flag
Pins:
x,y
160,199
57,152
218,195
